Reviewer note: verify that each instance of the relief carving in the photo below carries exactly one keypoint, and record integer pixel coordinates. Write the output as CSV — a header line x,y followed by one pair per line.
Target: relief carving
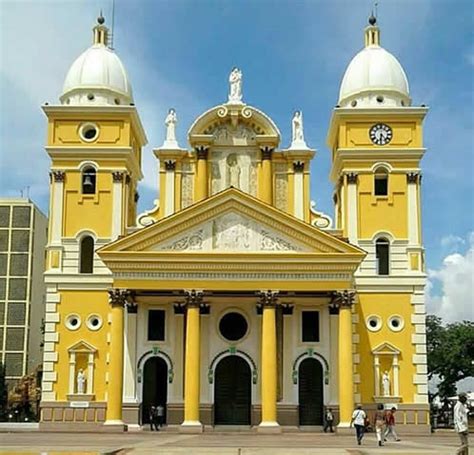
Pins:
x,y
270,242
231,232
192,241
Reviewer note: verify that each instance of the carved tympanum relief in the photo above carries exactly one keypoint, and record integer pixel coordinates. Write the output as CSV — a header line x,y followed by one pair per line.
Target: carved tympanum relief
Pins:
x,y
186,185
231,232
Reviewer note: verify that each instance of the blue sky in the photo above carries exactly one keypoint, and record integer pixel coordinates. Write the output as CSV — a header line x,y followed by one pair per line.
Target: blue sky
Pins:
x,y
293,55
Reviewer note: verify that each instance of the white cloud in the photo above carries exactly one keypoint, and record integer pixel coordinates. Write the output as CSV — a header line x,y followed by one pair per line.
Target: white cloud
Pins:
x,y
455,278
452,243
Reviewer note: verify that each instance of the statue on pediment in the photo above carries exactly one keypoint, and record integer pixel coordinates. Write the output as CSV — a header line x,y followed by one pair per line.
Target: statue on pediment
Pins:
x,y
233,170
235,81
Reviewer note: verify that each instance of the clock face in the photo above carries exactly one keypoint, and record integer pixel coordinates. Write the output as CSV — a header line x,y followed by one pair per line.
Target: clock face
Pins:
x,y
380,134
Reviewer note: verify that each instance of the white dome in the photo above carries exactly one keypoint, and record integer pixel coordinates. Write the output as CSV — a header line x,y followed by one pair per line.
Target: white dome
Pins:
x,y
374,77
97,77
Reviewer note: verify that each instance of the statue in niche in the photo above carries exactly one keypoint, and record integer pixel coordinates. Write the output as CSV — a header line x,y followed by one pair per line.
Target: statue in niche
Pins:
x,y
233,171
235,81
386,384
81,381
170,122
297,123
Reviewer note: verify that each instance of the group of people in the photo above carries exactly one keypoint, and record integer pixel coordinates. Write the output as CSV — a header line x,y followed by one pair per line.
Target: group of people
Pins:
x,y
156,416
384,423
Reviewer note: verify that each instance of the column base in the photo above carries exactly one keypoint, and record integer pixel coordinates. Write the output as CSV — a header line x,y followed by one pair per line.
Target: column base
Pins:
x,y
191,426
269,427
114,426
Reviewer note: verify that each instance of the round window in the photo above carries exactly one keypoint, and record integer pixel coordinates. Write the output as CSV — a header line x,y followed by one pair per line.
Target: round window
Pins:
x,y
73,321
94,322
233,326
396,323
380,99
374,323
354,103
90,97
89,132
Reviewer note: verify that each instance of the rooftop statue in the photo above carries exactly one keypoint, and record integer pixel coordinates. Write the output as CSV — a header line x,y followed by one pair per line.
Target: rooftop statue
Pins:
x,y
235,81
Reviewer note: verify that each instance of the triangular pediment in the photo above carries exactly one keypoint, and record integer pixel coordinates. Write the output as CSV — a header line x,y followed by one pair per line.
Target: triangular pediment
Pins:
x,y
231,222
82,346
386,348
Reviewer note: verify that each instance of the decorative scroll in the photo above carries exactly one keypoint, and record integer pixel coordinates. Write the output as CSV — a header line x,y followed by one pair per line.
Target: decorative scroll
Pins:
x,y
192,241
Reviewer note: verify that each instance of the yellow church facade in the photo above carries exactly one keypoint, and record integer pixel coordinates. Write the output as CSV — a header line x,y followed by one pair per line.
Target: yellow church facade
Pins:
x,y
233,301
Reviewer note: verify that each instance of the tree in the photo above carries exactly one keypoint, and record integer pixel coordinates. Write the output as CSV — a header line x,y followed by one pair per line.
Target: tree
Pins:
x,y
450,352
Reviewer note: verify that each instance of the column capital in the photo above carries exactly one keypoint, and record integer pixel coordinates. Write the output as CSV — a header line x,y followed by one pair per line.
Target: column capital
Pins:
x,y
298,166
267,152
351,177
119,297
413,177
343,299
132,307
170,165
202,152
118,176
267,299
193,298
58,176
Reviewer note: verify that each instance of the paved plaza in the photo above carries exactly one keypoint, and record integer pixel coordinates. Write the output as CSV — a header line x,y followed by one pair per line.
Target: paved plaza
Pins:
x,y
218,443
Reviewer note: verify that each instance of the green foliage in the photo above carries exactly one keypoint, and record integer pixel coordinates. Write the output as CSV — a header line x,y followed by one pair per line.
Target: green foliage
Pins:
x,y
450,352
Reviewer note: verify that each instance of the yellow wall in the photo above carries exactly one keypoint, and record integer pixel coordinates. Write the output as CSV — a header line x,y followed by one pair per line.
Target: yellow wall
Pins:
x,y
82,303
385,305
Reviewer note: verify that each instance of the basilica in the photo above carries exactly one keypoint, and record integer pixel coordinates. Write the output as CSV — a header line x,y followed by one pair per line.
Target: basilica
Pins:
x,y
233,301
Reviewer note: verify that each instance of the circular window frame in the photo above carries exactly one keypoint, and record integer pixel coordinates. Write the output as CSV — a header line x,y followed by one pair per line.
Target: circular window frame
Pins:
x,y
401,323
67,321
379,322
83,128
89,324
218,322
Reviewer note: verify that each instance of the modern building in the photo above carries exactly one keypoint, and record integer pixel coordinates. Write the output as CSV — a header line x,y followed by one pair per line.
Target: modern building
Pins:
x,y
233,301
22,290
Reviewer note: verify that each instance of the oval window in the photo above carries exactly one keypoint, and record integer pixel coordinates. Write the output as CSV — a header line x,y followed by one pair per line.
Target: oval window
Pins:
x,y
233,326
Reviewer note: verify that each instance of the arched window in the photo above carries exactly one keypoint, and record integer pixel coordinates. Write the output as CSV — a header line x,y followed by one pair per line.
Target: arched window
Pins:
x,y
381,182
86,255
382,253
88,180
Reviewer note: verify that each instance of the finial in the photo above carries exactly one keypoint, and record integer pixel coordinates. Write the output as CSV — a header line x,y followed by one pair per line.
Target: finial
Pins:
x,y
372,32
372,19
100,19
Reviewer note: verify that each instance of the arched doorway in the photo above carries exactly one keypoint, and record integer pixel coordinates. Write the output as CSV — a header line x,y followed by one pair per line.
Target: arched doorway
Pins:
x,y
155,386
232,392
310,392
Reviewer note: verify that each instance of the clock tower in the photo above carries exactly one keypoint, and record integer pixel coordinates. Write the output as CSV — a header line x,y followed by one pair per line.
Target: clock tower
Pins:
x,y
376,141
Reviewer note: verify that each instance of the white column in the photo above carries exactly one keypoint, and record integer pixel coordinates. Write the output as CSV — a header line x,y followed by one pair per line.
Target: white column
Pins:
x,y
170,167
57,212
377,375
413,228
90,374
118,207
130,353
395,367
298,167
352,208
72,373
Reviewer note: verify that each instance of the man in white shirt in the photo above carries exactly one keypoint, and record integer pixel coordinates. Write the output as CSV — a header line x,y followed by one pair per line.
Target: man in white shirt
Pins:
x,y
358,419
461,424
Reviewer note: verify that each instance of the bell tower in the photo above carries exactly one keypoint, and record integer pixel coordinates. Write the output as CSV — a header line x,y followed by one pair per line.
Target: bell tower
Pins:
x,y
94,140
376,142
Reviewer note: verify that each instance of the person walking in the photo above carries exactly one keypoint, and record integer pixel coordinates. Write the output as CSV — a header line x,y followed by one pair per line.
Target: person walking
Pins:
x,y
358,419
160,413
378,423
390,425
461,424
152,418
328,420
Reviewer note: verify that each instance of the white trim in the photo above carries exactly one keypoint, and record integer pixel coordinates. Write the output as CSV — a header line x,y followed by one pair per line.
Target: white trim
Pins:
x,y
412,189
169,192
117,196
85,125
67,321
401,323
57,212
143,360
89,323
352,228
130,354
381,165
378,320
85,164
298,195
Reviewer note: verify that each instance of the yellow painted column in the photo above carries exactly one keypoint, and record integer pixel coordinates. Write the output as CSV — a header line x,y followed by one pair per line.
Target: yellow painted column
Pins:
x,y
201,179
267,178
118,299
192,367
345,300
269,362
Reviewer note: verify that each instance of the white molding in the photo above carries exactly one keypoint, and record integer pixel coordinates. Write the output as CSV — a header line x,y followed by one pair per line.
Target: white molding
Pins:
x,y
352,225
412,206
299,195
169,192
57,213
117,210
